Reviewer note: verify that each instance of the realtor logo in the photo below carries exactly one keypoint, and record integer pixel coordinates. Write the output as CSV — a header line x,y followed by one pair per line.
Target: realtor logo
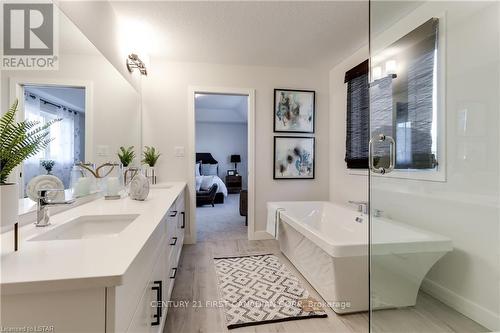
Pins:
x,y
28,36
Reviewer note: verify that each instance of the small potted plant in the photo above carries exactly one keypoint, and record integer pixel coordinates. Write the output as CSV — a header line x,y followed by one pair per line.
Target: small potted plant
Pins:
x,y
18,141
150,157
48,165
126,156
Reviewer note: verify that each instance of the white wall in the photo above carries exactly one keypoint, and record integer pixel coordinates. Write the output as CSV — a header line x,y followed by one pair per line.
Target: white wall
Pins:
x,y
465,207
223,140
98,22
165,122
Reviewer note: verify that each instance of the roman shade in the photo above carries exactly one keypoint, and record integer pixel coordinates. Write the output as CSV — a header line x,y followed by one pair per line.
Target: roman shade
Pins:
x,y
403,106
358,116
414,116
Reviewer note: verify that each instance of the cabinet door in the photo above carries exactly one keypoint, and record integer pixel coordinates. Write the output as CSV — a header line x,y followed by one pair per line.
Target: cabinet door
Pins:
x,y
74,311
123,299
159,290
141,321
150,313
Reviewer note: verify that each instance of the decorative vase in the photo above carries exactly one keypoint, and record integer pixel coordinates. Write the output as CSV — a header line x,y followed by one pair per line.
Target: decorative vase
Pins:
x,y
139,187
9,204
128,174
151,174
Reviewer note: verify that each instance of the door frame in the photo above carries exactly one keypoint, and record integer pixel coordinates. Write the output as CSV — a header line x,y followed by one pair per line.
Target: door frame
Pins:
x,y
191,158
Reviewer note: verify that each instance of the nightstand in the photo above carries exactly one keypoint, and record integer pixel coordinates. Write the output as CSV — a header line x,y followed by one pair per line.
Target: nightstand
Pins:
x,y
233,184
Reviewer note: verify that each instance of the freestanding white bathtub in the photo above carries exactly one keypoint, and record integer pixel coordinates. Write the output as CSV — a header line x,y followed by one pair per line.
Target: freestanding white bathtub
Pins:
x,y
328,244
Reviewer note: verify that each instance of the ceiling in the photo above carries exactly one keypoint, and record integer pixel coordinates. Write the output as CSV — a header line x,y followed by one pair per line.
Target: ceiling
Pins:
x,y
71,97
265,33
216,108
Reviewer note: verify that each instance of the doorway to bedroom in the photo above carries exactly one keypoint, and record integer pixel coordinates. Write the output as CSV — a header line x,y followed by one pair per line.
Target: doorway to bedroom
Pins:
x,y
221,168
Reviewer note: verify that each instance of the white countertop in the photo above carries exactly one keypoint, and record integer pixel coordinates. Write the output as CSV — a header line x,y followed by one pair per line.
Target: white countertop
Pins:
x,y
83,263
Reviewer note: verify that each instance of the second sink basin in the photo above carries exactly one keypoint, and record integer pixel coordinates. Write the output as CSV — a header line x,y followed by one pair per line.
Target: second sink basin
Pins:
x,y
88,226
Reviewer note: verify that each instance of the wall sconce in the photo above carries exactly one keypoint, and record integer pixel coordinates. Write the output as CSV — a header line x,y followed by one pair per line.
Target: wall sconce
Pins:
x,y
377,73
133,61
391,68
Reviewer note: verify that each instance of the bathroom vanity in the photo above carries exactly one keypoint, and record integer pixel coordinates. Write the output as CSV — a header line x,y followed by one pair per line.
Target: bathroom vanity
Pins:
x,y
105,266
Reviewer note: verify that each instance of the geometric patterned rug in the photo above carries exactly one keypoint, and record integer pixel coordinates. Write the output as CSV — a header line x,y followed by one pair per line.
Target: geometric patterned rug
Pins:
x,y
259,289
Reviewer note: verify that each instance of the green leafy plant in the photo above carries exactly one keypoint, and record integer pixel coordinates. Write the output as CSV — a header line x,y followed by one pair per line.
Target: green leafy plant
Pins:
x,y
126,155
48,165
20,140
151,156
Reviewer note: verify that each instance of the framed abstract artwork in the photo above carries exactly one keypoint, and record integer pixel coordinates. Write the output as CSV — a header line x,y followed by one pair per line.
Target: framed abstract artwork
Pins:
x,y
293,157
294,110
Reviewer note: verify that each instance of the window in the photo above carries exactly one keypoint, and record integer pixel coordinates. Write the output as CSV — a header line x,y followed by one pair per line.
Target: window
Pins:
x,y
68,134
358,116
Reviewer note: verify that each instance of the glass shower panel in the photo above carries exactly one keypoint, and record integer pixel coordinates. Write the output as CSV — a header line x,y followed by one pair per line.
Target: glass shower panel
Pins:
x,y
434,166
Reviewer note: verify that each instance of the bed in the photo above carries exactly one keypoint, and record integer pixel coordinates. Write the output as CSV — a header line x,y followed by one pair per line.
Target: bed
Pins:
x,y
207,158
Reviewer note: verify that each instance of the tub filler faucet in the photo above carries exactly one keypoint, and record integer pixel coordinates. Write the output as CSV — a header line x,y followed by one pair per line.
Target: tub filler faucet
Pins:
x,y
362,206
42,212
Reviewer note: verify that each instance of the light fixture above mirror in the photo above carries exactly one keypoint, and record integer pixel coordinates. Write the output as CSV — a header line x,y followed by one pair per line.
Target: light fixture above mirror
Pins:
x,y
133,61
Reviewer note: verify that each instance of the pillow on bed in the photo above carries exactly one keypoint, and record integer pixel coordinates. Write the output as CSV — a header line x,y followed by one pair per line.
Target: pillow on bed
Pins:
x,y
198,182
206,182
209,169
197,168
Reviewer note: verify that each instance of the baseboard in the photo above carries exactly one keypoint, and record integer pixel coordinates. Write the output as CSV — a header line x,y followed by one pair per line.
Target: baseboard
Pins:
x,y
261,235
474,311
258,235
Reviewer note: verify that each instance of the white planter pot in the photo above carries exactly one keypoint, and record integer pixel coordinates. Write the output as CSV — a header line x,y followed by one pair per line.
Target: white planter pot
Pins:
x,y
9,204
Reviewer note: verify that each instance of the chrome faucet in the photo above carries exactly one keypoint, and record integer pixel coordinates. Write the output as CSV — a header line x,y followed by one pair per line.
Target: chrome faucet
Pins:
x,y
42,211
362,206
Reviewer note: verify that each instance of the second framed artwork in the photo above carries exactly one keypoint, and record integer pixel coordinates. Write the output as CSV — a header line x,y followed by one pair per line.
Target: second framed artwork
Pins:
x,y
293,157
294,110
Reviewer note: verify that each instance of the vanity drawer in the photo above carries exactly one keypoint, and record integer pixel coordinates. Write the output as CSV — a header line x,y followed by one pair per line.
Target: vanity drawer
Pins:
x,y
171,272
175,247
172,221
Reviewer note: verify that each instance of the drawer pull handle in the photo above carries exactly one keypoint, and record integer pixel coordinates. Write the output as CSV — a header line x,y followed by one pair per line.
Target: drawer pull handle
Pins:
x,y
157,287
183,220
174,241
175,273
173,214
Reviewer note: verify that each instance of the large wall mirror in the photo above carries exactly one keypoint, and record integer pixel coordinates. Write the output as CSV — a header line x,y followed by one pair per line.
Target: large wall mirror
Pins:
x,y
406,103
98,108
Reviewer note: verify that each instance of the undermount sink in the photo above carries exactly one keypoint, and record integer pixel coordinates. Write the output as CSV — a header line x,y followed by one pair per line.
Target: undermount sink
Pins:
x,y
89,226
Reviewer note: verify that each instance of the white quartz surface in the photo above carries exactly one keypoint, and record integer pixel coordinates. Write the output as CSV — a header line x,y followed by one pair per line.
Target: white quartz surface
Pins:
x,y
83,263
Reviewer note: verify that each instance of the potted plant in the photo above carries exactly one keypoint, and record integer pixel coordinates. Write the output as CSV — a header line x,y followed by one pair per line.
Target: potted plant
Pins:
x,y
150,157
18,141
126,156
48,165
